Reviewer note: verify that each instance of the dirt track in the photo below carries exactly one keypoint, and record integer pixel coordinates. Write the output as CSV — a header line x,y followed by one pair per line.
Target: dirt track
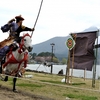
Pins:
x,y
8,94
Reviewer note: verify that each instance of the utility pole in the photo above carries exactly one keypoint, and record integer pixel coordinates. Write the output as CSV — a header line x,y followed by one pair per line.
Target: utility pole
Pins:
x,y
52,44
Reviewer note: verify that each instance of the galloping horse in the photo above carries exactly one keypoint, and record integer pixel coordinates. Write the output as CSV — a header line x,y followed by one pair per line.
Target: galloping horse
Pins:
x,y
16,61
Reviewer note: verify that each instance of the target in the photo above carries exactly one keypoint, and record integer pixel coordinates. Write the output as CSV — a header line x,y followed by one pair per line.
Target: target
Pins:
x,y
70,43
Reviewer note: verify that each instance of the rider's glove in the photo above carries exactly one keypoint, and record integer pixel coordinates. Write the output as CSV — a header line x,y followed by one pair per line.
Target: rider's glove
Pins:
x,y
32,29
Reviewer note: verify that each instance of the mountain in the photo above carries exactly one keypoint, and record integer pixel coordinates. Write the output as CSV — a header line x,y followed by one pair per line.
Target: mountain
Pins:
x,y
92,28
60,50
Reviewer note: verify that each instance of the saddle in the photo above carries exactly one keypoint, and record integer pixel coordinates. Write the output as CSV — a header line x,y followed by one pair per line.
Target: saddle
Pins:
x,y
4,47
6,42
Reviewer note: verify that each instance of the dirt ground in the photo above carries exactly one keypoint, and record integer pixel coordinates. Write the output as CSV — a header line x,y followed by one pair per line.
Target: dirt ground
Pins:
x,y
8,94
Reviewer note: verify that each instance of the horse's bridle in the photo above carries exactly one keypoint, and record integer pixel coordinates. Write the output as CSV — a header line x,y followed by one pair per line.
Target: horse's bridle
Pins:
x,y
21,45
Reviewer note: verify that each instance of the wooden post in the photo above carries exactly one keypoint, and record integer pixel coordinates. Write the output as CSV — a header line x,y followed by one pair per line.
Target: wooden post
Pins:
x,y
84,74
94,67
72,68
68,69
74,37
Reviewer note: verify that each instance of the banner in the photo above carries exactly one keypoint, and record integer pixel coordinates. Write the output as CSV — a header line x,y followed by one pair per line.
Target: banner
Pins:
x,y
83,52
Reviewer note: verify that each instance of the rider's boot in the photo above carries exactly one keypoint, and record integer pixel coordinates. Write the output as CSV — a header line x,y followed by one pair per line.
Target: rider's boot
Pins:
x,y
14,46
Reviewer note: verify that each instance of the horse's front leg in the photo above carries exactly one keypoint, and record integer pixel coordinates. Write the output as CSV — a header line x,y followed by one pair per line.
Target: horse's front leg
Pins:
x,y
14,84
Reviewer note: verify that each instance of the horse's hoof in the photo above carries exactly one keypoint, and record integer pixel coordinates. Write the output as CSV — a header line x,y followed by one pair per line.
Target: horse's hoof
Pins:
x,y
16,91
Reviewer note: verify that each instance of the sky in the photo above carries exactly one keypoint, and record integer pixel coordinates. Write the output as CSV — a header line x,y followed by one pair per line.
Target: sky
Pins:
x,y
57,17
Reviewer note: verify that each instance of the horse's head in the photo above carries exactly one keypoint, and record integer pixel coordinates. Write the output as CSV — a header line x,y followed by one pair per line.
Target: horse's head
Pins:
x,y
26,41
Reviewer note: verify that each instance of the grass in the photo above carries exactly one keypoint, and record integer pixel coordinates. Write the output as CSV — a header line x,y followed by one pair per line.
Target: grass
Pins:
x,y
80,89
78,83
29,85
56,82
82,97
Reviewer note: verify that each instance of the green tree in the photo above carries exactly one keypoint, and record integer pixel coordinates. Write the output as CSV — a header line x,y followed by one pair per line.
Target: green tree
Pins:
x,y
33,55
64,61
45,54
55,60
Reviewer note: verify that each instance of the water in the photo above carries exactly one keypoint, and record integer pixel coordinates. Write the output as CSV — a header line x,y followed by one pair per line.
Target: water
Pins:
x,y
57,68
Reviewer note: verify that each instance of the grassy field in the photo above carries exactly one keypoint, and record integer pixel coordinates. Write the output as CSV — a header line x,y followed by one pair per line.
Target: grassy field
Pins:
x,y
51,86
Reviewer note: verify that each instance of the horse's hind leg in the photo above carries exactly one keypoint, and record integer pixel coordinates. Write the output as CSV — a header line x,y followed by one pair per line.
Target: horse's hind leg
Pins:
x,y
1,63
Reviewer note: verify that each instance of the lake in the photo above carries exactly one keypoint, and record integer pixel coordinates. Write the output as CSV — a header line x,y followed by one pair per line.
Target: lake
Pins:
x,y
57,68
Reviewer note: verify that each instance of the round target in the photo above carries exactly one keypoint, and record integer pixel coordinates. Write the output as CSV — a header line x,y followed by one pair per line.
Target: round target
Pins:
x,y
70,43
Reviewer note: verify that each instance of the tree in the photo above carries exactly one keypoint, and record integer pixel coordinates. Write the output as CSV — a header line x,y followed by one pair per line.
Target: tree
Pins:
x,y
55,60
33,55
64,61
46,54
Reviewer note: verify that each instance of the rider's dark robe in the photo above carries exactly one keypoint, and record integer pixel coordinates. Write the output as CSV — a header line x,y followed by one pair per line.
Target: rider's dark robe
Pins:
x,y
19,30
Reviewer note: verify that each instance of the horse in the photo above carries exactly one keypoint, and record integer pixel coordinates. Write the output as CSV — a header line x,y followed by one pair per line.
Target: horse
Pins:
x,y
16,61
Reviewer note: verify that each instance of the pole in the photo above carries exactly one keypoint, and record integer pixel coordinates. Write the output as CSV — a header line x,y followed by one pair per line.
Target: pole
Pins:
x,y
84,74
94,67
52,60
67,69
74,37
37,16
52,44
72,66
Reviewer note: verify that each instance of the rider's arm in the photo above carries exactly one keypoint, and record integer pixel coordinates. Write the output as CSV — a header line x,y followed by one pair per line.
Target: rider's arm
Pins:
x,y
24,28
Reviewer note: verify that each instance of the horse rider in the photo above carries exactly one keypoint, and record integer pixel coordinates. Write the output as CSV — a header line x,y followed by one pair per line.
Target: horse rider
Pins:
x,y
17,27
14,27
